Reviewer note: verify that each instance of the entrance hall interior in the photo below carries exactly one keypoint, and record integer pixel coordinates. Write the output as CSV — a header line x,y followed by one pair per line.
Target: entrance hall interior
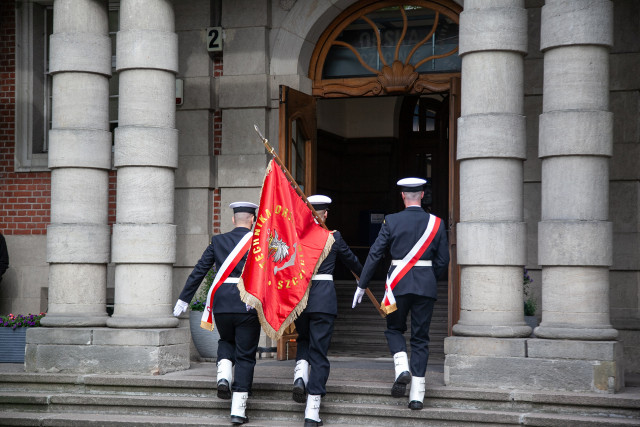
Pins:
x,y
364,145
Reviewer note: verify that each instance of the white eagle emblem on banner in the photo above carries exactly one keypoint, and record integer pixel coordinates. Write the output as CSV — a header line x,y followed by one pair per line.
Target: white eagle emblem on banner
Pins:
x,y
279,250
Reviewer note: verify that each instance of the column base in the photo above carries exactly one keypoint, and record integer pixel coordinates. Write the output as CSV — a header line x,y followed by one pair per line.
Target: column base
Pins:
x,y
75,320
107,351
508,331
595,334
534,364
137,322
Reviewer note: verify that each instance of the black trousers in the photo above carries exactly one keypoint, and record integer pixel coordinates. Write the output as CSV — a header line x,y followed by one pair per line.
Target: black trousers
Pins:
x,y
314,337
239,336
421,311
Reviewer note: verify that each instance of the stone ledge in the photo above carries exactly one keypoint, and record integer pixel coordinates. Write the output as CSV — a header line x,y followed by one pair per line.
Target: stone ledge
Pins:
x,y
569,349
140,337
107,336
107,351
525,373
484,346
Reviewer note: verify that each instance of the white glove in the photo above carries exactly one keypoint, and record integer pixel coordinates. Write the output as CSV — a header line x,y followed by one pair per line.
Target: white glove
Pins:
x,y
357,297
180,308
250,307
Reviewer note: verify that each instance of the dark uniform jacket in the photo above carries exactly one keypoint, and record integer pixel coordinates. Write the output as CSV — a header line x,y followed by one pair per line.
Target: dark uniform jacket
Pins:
x,y
399,233
227,297
4,256
322,295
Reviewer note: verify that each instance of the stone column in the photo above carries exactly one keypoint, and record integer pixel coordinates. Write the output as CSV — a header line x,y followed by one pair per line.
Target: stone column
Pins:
x,y
78,237
491,150
144,236
576,131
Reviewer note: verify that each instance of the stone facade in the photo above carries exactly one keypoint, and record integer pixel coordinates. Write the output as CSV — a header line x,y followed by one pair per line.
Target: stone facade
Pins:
x,y
555,142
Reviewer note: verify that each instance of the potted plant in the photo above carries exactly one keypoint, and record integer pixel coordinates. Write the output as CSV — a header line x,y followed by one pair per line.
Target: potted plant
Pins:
x,y
530,303
13,334
206,342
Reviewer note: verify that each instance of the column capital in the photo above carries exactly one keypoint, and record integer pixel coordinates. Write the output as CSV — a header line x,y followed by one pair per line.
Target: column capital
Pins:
x,y
500,28
498,135
147,49
80,52
591,23
588,133
571,243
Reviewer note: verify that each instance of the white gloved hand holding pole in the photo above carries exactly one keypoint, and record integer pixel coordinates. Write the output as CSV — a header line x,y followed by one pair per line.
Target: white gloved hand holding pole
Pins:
x,y
180,308
357,297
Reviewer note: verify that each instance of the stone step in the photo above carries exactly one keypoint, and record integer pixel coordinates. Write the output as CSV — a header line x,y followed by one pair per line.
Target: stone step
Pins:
x,y
436,326
361,341
360,332
375,341
380,327
346,312
151,410
356,337
100,420
71,393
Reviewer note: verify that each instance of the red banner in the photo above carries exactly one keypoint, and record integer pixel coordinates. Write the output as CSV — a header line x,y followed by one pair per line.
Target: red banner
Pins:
x,y
287,247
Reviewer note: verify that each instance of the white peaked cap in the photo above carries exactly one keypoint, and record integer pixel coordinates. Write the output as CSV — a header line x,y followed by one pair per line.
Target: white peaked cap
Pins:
x,y
319,202
411,184
243,207
319,199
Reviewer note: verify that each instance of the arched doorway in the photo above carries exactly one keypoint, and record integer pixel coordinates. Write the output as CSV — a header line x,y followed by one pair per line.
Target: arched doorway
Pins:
x,y
385,75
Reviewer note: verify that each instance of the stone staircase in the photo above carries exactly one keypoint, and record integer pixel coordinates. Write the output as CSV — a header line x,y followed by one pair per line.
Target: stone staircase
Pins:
x,y
357,394
360,331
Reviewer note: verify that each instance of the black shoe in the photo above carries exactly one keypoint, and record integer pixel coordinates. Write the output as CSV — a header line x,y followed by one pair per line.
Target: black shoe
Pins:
x,y
399,387
299,391
239,420
223,390
312,423
415,405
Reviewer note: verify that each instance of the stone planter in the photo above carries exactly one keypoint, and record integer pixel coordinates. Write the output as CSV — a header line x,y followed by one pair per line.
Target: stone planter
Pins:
x,y
206,342
13,344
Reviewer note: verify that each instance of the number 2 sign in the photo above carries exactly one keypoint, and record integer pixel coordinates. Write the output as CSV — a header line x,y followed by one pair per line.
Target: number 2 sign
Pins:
x,y
214,39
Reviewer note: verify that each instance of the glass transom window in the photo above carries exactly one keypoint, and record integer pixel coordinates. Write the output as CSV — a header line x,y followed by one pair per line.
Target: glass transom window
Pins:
x,y
413,35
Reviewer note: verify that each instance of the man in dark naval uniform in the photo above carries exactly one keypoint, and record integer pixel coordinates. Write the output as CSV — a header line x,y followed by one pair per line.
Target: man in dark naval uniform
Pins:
x,y
237,323
406,233
4,256
315,323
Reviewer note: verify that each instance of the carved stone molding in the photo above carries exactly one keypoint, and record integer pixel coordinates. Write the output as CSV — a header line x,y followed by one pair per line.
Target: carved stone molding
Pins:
x,y
398,78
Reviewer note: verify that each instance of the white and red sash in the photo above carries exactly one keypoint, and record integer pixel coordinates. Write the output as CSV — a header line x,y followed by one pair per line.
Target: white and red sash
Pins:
x,y
225,270
389,302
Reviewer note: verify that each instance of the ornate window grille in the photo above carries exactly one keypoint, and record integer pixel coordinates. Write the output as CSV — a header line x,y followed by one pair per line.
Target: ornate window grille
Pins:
x,y
386,48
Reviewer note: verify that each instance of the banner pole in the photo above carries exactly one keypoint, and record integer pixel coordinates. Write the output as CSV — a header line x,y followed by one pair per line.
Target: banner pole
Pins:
x,y
320,221
292,181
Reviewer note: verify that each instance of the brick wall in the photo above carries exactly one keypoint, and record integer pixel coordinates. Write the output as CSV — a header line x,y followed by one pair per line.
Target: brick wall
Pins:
x,y
217,146
25,198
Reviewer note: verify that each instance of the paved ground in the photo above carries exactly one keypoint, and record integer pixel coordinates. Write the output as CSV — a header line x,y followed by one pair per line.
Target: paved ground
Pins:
x,y
344,370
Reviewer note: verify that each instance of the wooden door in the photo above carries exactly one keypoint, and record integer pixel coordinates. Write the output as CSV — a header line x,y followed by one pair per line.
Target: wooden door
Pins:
x,y
454,204
297,137
425,150
297,149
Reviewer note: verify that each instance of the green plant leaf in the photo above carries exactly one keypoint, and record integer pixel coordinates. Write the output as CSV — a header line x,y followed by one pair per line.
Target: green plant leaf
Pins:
x,y
200,299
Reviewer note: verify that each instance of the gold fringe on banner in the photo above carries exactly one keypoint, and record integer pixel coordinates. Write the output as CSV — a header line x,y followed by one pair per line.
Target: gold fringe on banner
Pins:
x,y
251,300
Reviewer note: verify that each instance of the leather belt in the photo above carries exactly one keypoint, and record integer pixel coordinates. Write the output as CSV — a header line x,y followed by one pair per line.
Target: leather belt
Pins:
x,y
322,277
232,280
419,263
